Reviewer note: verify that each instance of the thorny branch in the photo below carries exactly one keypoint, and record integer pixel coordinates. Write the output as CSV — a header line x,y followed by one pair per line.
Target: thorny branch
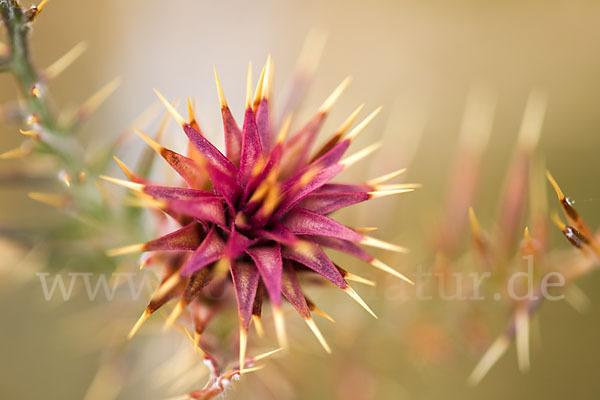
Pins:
x,y
46,134
18,62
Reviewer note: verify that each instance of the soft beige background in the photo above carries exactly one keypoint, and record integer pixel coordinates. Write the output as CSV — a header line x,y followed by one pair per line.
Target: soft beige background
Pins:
x,y
417,58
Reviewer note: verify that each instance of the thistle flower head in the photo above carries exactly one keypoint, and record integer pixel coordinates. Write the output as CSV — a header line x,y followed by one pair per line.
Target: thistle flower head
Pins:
x,y
259,213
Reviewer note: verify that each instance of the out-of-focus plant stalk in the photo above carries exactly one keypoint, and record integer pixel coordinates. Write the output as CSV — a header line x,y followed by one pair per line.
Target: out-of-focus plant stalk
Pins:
x,y
18,62
47,133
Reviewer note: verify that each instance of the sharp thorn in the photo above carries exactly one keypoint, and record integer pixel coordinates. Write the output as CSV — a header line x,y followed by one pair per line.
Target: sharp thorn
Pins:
x,y
177,310
488,360
190,110
258,326
259,88
385,193
180,120
366,229
533,120
558,222
30,133
399,186
19,152
41,6
188,334
330,101
359,300
249,87
145,315
35,91
167,286
313,327
280,326
475,227
245,371
124,168
220,92
266,87
360,127
284,129
65,178
146,259
386,268
356,157
554,184
131,249
57,67
265,355
33,119
96,100
522,339
316,310
349,121
138,187
527,235
385,178
243,347
151,142
372,242
196,341
53,200
358,279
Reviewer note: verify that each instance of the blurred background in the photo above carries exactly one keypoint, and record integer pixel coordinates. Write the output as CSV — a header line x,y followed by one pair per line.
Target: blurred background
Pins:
x,y
419,60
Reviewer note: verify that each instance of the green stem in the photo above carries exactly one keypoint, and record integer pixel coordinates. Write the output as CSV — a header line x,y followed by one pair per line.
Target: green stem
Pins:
x,y
57,139
19,63
17,23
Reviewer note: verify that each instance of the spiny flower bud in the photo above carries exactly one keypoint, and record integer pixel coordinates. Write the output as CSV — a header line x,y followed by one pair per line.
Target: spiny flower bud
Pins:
x,y
258,213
